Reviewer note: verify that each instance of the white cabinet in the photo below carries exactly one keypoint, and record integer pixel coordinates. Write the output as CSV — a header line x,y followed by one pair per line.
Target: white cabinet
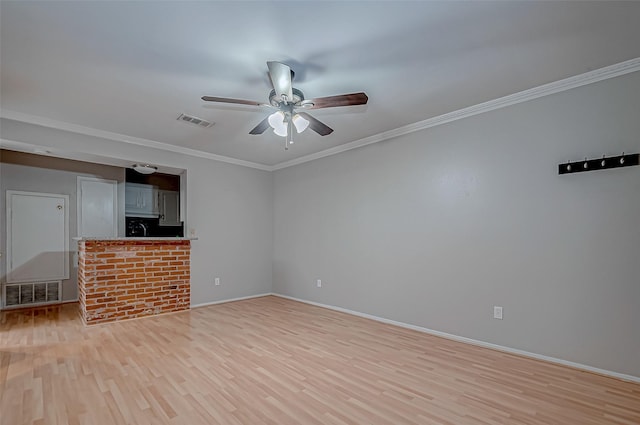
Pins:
x,y
169,208
141,200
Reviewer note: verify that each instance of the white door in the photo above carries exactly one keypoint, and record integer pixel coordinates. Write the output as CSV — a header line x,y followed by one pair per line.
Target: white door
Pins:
x,y
97,207
37,236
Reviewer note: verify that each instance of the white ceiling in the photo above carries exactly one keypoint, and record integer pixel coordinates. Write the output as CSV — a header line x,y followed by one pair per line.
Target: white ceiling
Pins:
x,y
132,67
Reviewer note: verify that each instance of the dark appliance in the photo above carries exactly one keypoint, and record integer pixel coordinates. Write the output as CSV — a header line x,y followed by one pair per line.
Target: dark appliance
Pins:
x,y
138,227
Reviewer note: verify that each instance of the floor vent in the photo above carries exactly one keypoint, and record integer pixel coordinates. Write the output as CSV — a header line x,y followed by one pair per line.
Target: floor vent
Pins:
x,y
195,120
31,294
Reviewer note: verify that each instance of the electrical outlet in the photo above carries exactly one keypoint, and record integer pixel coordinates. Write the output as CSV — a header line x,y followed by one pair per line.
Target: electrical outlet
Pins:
x,y
319,283
497,312
217,281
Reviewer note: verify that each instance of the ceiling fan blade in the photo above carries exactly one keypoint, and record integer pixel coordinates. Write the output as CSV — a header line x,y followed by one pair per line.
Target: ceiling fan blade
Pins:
x,y
280,75
260,128
340,100
316,125
227,100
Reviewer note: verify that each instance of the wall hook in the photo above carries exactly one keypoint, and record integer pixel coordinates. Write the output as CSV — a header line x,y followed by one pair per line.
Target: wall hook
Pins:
x,y
624,160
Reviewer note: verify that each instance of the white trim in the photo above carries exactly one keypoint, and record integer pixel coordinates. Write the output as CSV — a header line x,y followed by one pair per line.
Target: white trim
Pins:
x,y
605,73
470,341
590,77
88,131
231,300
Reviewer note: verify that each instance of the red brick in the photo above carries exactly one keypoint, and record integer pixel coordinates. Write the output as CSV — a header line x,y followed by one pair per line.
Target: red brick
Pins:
x,y
123,279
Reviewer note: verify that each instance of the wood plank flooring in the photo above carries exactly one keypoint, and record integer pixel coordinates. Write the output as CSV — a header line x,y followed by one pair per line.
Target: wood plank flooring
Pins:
x,y
275,361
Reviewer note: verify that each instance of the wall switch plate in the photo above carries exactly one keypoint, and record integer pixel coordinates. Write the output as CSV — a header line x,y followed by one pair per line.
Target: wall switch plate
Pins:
x,y
497,312
217,281
319,283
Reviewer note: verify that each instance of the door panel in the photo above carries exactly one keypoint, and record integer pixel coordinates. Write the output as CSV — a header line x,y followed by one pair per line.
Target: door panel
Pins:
x,y
37,237
97,207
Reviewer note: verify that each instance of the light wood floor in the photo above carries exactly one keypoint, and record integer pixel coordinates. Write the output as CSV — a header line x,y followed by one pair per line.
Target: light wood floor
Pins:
x,y
274,361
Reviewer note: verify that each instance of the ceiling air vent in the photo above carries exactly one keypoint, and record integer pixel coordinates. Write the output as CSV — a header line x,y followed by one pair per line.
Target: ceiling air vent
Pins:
x,y
195,120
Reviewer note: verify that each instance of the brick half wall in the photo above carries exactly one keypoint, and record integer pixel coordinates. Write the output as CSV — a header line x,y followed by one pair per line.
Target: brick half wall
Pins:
x,y
124,279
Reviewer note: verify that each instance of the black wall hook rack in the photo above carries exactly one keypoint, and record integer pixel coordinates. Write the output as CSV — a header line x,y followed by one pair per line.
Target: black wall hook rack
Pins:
x,y
624,160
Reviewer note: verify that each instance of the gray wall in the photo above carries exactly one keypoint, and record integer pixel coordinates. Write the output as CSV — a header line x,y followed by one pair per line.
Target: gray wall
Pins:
x,y
34,173
436,227
231,209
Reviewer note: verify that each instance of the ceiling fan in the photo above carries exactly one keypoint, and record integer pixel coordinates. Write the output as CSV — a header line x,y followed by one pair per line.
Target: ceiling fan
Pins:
x,y
289,101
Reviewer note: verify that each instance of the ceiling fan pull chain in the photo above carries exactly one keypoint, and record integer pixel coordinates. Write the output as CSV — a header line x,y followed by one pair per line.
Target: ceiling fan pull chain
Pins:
x,y
290,130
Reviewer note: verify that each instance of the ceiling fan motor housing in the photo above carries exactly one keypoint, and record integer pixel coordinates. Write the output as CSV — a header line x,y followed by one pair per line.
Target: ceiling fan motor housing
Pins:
x,y
298,97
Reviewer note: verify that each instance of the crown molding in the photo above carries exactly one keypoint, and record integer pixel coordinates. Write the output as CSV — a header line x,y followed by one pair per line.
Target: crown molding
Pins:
x,y
590,77
88,131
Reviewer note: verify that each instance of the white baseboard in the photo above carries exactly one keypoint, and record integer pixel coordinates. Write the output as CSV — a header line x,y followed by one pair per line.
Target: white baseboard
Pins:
x,y
248,297
510,350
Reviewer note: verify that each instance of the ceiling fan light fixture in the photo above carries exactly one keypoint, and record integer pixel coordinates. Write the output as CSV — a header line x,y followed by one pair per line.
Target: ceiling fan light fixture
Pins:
x,y
282,131
300,122
276,119
286,99
277,122
144,168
